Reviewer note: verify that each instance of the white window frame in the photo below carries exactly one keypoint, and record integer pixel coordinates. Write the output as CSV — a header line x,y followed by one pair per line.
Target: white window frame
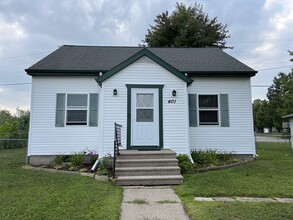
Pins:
x,y
208,109
77,108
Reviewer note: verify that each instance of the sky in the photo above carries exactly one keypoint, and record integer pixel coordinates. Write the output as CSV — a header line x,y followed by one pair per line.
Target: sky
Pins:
x,y
261,34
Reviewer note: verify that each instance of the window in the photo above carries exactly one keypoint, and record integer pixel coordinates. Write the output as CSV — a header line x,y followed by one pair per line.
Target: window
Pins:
x,y
77,108
208,109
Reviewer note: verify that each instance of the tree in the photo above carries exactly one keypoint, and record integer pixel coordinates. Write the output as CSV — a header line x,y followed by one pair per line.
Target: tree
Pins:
x,y
262,115
5,115
187,27
280,96
291,54
14,128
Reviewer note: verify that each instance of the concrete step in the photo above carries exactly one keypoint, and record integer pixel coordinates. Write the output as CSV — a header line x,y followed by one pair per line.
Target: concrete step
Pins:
x,y
136,154
149,180
147,171
146,162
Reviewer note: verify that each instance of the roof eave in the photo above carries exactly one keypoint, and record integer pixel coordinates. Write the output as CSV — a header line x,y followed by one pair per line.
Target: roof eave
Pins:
x,y
221,73
50,72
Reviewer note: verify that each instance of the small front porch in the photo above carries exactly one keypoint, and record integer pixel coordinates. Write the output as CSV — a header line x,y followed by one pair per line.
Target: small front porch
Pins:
x,y
134,167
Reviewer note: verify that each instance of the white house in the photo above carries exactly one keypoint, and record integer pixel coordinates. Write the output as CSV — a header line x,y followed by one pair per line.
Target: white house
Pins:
x,y
290,119
165,98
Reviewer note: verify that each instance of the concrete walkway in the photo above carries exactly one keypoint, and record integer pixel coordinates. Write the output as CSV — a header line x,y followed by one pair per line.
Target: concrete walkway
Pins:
x,y
242,199
151,203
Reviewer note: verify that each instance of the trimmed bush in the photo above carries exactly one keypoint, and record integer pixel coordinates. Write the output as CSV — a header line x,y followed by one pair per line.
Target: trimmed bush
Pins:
x,y
185,164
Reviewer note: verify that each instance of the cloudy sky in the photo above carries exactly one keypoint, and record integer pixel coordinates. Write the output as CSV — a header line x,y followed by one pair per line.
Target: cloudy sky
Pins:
x,y
261,34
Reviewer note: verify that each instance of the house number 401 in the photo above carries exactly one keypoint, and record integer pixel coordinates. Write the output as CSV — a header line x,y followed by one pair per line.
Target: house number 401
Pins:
x,y
172,101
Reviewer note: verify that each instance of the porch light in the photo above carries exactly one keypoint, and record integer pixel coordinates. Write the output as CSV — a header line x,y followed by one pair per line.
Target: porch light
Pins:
x,y
115,92
174,93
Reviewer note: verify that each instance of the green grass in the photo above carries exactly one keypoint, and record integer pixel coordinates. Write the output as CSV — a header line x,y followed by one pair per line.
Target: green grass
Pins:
x,y
28,194
166,202
270,176
139,201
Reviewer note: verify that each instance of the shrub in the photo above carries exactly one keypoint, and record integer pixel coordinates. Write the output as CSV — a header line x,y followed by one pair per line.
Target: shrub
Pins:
x,y
185,164
225,157
198,156
76,159
208,157
93,159
211,157
104,166
58,160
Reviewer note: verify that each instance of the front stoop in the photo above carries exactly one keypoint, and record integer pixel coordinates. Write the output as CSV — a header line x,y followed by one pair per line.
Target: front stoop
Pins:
x,y
149,168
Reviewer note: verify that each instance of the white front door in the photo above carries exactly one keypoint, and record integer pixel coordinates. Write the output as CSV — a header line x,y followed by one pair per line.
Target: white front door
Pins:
x,y
144,117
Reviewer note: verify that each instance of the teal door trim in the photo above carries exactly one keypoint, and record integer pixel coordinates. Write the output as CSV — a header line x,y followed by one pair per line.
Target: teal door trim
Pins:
x,y
129,146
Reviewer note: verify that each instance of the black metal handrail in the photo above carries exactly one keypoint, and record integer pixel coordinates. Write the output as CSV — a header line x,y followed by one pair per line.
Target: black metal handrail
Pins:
x,y
117,144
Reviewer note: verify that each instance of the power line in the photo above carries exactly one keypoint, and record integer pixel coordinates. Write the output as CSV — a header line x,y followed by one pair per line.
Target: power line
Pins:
x,y
15,84
249,42
26,55
279,67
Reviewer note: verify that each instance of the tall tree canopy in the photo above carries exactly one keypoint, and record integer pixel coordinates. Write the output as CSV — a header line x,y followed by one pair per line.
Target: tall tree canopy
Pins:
x,y
262,115
268,114
187,27
280,96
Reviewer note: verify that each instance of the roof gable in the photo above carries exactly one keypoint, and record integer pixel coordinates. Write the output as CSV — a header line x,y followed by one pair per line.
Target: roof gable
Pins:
x,y
144,52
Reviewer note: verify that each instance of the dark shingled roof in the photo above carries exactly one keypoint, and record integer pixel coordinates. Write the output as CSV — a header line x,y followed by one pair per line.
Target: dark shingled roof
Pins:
x,y
97,59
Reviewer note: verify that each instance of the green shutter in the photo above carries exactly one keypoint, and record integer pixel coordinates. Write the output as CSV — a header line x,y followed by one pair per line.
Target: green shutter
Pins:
x,y
60,110
93,114
224,108
192,102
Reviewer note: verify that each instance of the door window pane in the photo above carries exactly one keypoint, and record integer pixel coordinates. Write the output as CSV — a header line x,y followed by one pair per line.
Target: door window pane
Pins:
x,y
144,100
144,115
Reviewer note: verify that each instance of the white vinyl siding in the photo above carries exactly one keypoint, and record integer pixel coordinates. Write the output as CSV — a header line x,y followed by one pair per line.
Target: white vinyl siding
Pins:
x,y
175,116
45,138
238,137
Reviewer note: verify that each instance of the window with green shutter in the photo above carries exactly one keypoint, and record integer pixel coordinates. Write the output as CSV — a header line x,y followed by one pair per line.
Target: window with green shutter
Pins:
x,y
77,109
208,110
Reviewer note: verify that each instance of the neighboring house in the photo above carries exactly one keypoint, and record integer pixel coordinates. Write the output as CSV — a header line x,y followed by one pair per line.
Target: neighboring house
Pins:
x,y
176,98
290,119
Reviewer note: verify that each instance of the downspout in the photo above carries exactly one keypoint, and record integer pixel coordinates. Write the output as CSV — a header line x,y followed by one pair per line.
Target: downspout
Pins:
x,y
95,166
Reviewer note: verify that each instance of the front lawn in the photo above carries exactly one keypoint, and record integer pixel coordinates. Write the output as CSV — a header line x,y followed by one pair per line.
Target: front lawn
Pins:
x,y
27,194
270,176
